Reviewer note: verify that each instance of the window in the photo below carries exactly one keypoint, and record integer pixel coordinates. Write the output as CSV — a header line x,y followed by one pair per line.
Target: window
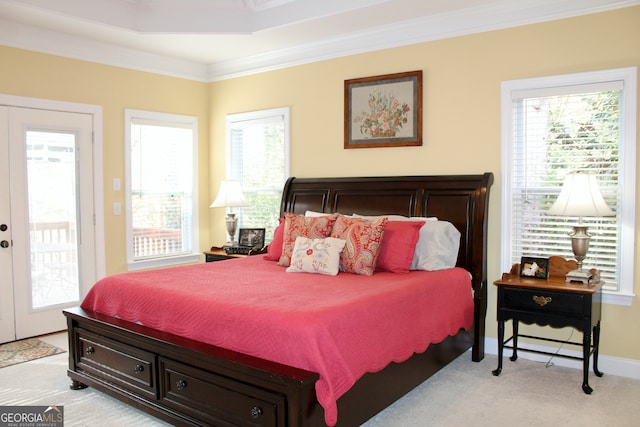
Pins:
x,y
555,125
162,205
258,157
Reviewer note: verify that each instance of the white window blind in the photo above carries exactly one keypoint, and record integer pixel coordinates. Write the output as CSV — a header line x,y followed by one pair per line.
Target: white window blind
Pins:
x,y
258,157
554,130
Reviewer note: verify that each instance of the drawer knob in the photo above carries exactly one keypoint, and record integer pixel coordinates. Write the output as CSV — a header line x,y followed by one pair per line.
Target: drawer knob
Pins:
x,y
256,412
89,350
138,368
541,301
181,384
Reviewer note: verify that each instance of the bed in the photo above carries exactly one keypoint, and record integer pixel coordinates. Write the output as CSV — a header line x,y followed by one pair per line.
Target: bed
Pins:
x,y
187,380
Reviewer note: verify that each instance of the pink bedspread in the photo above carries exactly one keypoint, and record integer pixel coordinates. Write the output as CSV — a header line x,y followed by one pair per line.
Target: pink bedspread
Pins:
x,y
338,326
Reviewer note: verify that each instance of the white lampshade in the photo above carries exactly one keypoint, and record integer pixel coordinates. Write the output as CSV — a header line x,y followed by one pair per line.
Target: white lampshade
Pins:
x,y
580,196
229,196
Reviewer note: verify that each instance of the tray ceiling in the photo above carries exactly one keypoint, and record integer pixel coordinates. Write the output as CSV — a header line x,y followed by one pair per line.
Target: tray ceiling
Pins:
x,y
210,40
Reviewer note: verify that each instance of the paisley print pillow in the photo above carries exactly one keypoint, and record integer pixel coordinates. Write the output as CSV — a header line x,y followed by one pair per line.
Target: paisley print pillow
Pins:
x,y
299,225
364,238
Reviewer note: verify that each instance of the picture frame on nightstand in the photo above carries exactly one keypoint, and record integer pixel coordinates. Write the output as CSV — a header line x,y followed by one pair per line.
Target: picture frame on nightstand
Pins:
x,y
253,237
534,267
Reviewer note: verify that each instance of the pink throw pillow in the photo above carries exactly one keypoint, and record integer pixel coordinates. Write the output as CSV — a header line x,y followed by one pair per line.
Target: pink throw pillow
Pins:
x,y
364,239
301,226
274,250
398,246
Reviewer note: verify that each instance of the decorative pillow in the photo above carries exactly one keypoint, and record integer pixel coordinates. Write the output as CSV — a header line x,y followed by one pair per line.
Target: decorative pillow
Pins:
x,y
274,250
314,213
363,238
398,246
437,247
299,225
438,244
316,256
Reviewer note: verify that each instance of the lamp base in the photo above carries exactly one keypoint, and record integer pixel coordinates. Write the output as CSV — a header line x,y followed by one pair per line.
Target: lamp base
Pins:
x,y
580,245
579,275
232,224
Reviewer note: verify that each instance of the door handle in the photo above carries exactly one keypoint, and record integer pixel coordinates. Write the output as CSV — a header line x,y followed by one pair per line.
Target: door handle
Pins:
x,y
3,227
4,244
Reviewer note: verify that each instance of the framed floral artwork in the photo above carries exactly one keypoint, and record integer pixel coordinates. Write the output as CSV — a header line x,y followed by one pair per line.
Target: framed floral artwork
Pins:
x,y
383,111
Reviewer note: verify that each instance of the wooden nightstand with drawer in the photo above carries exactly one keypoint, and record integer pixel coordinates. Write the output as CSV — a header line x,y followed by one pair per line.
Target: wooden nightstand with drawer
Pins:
x,y
219,254
553,302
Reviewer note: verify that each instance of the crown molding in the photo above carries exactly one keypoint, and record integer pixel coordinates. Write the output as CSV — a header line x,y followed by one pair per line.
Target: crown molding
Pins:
x,y
497,15
50,42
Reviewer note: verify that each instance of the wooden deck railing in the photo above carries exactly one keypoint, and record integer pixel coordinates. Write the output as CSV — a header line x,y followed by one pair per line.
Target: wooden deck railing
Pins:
x,y
52,243
55,232
54,263
146,241
156,241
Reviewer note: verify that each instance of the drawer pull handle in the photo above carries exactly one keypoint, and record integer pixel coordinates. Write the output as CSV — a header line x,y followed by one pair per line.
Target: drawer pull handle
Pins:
x,y
138,368
181,384
89,350
541,301
256,412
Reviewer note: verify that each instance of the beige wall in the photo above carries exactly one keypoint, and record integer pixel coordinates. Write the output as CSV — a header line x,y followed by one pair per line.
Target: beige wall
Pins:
x,y
35,75
462,79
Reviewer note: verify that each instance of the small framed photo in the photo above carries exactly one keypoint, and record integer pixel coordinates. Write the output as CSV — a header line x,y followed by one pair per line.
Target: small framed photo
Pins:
x,y
253,237
534,267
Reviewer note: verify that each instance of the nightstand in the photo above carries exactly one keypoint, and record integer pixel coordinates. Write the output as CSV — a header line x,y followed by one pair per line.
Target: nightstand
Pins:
x,y
219,254
553,302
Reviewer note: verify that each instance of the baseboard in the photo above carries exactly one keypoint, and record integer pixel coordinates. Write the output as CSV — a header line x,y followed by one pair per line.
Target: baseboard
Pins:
x,y
610,365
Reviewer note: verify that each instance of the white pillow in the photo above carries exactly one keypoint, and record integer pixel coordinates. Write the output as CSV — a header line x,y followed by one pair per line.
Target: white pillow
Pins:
x,y
315,214
438,244
320,256
396,217
437,247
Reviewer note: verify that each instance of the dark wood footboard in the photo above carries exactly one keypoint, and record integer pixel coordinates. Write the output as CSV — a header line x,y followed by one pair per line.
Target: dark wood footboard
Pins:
x,y
189,383
186,382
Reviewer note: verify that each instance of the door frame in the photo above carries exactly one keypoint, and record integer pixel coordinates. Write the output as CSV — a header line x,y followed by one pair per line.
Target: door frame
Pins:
x,y
7,303
98,190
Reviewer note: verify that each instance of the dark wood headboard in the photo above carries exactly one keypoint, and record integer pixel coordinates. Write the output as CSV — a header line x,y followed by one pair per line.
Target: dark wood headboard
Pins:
x,y
459,199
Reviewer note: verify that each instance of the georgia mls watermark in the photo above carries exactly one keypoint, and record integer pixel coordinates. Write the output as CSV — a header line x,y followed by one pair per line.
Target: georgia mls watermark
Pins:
x,y
31,416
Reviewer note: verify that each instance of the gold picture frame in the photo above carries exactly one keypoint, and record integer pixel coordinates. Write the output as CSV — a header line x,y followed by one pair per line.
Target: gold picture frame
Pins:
x,y
383,111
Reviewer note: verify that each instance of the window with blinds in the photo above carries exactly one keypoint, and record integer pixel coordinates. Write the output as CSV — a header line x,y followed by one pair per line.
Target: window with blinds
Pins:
x,y
258,157
559,125
161,189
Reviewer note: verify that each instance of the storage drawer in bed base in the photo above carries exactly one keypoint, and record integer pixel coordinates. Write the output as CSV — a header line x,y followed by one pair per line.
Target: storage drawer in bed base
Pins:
x,y
218,400
121,364
186,382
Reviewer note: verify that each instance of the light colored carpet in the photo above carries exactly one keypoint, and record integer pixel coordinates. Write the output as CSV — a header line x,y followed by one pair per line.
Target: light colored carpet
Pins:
x,y
45,382
463,394
525,394
22,351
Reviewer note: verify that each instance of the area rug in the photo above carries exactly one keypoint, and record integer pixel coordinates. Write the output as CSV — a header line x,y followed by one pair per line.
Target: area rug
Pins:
x,y
25,350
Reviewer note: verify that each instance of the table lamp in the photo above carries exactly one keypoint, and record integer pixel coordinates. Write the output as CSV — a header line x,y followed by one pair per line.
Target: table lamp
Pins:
x,y
580,196
230,196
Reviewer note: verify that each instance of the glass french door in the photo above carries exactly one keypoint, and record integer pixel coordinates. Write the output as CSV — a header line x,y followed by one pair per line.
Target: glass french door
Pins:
x,y
47,251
